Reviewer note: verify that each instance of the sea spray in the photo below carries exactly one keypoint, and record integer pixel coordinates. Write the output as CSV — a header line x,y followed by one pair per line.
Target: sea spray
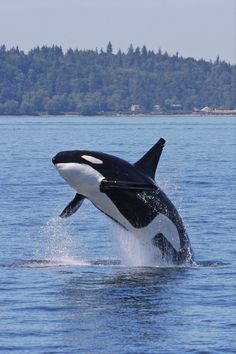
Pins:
x,y
56,242
173,190
132,251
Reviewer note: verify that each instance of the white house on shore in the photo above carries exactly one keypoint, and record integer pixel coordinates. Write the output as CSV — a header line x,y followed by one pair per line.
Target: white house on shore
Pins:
x,y
136,107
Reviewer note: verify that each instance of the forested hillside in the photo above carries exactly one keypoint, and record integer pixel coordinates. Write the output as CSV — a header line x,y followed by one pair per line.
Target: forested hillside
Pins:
x,y
48,80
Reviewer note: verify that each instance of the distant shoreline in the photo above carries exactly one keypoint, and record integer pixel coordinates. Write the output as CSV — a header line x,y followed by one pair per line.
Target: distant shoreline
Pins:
x,y
125,114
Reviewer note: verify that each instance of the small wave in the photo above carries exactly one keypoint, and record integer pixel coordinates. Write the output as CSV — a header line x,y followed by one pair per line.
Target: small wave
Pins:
x,y
210,264
65,261
102,262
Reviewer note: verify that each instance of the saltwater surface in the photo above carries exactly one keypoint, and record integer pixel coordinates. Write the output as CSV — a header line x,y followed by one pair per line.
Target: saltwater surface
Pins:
x,y
80,285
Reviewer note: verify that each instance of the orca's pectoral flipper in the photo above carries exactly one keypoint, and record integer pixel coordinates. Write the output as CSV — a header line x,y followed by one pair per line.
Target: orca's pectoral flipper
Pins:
x,y
73,206
124,185
148,163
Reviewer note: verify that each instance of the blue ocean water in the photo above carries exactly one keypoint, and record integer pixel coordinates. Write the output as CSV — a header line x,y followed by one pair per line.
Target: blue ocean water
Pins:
x,y
76,285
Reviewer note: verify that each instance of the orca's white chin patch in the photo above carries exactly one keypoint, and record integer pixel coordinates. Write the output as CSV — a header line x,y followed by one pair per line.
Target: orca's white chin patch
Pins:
x,y
66,171
81,177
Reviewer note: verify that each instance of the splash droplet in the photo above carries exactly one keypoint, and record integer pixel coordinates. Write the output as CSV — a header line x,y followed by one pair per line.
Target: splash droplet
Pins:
x,y
56,241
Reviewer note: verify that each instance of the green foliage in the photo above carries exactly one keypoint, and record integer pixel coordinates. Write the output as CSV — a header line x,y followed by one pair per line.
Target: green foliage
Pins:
x,y
91,82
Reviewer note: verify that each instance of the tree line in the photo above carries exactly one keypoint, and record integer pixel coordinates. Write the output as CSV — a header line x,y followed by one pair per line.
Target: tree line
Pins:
x,y
48,80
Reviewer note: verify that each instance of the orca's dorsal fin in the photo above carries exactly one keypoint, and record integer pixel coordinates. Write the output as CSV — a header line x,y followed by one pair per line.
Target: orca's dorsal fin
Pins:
x,y
148,163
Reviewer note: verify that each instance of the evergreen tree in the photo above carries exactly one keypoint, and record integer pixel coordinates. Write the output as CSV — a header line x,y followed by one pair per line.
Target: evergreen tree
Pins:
x,y
109,48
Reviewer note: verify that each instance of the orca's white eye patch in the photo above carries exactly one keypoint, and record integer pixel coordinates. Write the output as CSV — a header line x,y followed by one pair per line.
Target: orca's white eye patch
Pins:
x,y
92,159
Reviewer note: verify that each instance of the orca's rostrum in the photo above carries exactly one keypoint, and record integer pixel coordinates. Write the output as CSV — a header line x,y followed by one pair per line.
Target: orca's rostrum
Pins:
x,y
128,194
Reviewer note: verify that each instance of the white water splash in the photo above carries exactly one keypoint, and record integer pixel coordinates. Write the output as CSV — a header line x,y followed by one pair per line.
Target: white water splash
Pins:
x,y
132,251
56,243
56,247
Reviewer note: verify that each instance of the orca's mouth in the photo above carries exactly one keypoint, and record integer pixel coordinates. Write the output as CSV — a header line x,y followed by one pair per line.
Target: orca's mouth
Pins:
x,y
54,160
57,159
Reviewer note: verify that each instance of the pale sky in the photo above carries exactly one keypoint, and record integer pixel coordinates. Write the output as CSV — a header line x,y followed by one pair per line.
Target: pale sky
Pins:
x,y
196,28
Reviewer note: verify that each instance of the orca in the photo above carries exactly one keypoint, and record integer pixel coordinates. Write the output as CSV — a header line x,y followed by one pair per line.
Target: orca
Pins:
x,y
129,195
